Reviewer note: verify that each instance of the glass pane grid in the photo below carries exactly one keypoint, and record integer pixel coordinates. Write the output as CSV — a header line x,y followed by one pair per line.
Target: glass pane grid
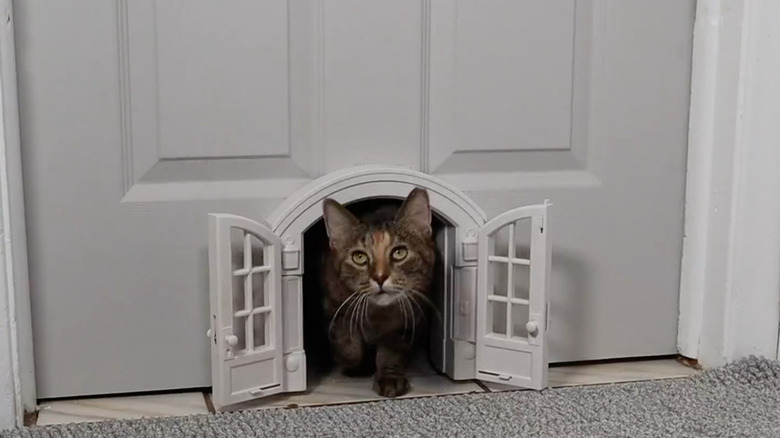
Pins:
x,y
251,312
253,270
256,311
511,300
508,313
513,261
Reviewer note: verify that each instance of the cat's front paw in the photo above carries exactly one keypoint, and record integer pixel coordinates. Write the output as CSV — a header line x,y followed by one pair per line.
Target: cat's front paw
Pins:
x,y
391,386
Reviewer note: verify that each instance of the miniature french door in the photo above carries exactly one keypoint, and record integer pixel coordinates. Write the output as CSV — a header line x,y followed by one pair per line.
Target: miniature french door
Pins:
x,y
513,281
246,320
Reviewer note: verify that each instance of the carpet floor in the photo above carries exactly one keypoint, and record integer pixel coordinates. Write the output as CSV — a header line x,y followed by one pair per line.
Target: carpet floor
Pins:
x,y
739,400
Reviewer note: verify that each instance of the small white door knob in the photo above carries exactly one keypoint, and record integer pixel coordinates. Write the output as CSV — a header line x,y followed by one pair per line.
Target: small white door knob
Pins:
x,y
232,340
209,333
532,327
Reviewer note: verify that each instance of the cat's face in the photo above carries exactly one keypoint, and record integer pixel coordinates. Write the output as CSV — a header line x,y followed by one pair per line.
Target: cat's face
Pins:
x,y
388,260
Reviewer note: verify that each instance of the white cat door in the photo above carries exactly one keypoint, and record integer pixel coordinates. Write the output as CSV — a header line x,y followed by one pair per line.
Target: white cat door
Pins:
x,y
512,298
246,325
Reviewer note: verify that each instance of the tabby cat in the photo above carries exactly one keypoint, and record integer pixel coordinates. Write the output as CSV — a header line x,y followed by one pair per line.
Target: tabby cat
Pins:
x,y
377,273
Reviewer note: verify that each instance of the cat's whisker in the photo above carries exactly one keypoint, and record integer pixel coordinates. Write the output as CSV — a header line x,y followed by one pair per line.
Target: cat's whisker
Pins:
x,y
403,316
405,300
363,317
414,320
359,315
429,302
333,320
411,297
352,317
407,316
356,312
351,312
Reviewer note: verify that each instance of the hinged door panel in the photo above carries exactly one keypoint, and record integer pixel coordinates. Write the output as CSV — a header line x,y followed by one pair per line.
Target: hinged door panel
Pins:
x,y
513,298
246,320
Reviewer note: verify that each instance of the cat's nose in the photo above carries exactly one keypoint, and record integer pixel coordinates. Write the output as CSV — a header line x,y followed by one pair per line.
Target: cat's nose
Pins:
x,y
380,278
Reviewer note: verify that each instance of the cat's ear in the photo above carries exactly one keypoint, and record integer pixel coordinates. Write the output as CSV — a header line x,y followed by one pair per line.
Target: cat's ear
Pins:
x,y
416,212
339,222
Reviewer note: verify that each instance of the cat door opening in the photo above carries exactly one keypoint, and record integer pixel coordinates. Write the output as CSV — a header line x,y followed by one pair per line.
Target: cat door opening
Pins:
x,y
429,355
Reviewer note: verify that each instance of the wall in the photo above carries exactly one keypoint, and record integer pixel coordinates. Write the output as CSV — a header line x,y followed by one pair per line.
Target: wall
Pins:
x,y
755,276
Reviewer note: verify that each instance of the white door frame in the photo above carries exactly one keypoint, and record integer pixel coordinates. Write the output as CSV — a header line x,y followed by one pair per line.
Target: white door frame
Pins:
x,y
730,283
17,372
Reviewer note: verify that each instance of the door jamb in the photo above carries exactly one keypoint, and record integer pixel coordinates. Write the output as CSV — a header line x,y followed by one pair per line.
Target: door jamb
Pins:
x,y
17,371
730,272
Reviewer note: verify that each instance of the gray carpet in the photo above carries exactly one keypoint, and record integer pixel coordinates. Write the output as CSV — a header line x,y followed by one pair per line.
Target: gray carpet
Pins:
x,y
739,400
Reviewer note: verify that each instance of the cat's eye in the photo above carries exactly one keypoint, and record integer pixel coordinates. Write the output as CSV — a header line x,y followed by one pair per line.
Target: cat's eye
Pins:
x,y
359,258
399,253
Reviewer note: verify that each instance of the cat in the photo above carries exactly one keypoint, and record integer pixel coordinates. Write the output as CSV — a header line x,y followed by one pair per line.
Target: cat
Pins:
x,y
376,273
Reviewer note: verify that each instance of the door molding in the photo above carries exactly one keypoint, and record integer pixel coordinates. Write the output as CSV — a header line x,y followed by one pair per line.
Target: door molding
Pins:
x,y
17,371
303,208
730,280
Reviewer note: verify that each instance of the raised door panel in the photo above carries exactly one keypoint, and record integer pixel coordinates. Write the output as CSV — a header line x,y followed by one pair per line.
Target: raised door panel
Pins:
x,y
206,110
584,102
209,98
507,90
140,118
372,83
318,87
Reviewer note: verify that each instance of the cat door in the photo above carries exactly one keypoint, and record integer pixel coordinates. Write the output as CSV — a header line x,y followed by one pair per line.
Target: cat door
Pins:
x,y
513,282
246,323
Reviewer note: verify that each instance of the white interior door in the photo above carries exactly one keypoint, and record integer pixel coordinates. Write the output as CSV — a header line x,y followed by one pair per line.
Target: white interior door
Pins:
x,y
513,284
246,301
141,117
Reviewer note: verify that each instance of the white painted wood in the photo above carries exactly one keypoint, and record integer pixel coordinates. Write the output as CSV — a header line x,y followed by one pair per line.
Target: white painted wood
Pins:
x,y
17,376
755,298
512,325
619,140
484,47
237,128
246,310
480,121
709,65
294,378
117,201
9,374
370,46
731,262
113,221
